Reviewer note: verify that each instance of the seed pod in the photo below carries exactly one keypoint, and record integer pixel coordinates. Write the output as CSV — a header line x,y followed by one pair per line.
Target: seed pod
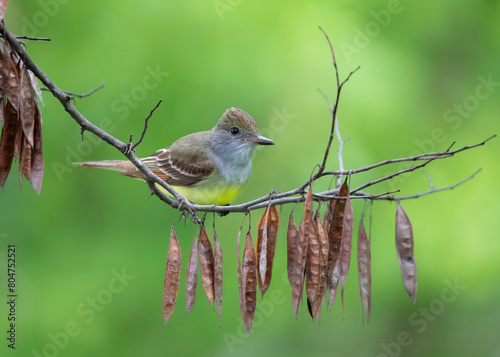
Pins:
x,y
299,269
266,246
346,246
323,243
313,267
333,285
192,275
364,271
335,230
218,275
294,262
172,276
404,248
249,283
240,278
206,256
327,217
262,247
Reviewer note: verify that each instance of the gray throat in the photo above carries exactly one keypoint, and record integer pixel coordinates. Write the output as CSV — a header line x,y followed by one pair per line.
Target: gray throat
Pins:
x,y
234,161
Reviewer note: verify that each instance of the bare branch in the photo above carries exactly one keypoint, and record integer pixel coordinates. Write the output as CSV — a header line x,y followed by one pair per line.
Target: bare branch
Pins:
x,y
132,147
430,191
426,156
88,94
333,109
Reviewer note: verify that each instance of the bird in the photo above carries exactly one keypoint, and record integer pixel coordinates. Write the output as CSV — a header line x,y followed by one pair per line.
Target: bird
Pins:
x,y
206,167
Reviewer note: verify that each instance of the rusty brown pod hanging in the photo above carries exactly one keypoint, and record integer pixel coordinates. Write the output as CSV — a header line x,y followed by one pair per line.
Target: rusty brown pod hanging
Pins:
x,y
172,276
404,249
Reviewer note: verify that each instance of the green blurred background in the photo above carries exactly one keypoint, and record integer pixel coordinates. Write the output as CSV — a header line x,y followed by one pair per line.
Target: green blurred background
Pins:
x,y
424,65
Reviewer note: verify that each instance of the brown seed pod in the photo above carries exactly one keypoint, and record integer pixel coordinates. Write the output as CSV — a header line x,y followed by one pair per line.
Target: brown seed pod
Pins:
x,y
192,276
206,257
323,243
247,279
404,248
266,246
364,271
218,275
172,276
335,230
294,261
346,246
313,267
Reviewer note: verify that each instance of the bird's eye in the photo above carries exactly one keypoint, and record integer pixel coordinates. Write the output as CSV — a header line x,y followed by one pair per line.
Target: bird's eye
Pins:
x,y
234,130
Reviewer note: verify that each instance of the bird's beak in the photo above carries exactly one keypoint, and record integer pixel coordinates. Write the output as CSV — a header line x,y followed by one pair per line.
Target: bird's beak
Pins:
x,y
260,140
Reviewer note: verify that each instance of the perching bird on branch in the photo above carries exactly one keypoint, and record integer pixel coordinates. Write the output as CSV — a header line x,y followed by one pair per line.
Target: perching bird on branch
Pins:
x,y
207,167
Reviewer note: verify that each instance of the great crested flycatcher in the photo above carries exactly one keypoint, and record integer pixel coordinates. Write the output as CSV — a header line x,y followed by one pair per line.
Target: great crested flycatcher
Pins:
x,y
207,167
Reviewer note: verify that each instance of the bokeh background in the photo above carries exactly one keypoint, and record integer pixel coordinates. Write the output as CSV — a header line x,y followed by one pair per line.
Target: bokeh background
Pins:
x,y
429,76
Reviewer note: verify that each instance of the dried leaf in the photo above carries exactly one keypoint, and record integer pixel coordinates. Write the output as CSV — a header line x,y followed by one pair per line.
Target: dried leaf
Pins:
x,y
172,276
7,141
206,257
247,281
268,228
335,230
364,271
218,275
404,248
192,276
323,243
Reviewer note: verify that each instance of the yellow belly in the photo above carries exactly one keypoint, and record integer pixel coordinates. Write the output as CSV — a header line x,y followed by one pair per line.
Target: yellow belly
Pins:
x,y
205,196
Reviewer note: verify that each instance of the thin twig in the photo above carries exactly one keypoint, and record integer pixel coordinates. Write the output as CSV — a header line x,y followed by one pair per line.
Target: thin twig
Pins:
x,y
339,151
431,190
333,109
33,38
420,157
431,184
146,124
88,94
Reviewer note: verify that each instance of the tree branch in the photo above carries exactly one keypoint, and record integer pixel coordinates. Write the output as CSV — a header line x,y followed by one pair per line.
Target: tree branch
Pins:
x,y
292,196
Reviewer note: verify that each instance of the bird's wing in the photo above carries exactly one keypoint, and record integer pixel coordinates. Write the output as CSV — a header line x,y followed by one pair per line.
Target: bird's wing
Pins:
x,y
192,169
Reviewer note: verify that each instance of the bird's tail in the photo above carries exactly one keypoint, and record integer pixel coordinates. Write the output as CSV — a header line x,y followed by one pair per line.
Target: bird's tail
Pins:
x,y
116,165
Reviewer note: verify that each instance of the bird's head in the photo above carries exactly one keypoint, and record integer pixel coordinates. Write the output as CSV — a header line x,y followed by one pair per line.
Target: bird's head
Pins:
x,y
235,137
